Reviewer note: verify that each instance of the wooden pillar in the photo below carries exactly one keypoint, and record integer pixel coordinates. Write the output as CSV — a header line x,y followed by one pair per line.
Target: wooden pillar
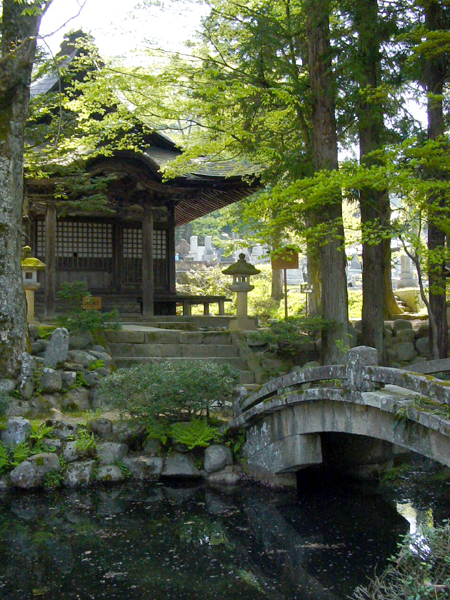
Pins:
x,y
50,259
171,249
147,262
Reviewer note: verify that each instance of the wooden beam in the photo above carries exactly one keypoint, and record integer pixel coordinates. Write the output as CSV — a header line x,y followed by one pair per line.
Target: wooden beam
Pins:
x,y
148,291
117,256
171,249
50,259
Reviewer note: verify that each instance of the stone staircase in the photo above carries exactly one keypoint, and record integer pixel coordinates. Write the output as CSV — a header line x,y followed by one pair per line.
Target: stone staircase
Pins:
x,y
131,346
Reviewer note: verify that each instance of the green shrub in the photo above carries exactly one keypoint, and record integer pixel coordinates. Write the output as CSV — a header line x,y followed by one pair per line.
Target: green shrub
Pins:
x,y
285,338
421,570
76,318
174,390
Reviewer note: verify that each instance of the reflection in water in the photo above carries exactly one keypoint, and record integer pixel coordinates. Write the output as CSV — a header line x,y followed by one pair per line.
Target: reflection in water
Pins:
x,y
418,519
160,542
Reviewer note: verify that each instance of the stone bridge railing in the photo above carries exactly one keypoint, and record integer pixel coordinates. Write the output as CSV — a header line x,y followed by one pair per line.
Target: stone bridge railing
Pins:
x,y
361,373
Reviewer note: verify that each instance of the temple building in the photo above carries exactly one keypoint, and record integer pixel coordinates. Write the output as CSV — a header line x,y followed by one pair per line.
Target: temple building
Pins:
x,y
125,253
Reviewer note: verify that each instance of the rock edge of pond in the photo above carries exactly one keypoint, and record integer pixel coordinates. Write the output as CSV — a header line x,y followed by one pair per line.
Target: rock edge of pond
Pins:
x,y
120,452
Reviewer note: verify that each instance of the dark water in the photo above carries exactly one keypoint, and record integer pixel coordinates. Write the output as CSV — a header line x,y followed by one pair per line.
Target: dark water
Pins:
x,y
182,543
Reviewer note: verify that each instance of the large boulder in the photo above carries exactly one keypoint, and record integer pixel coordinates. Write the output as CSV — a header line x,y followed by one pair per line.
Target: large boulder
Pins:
x,y
422,346
81,473
406,335
400,324
130,433
63,430
144,467
101,427
32,472
26,379
152,447
104,356
81,357
180,465
56,352
7,385
110,474
227,476
50,380
17,431
73,452
404,351
110,453
217,457
76,399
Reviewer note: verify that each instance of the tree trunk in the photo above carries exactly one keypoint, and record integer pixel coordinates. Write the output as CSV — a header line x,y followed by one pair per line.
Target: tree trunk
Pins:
x,y
390,306
435,77
331,254
374,204
18,50
277,284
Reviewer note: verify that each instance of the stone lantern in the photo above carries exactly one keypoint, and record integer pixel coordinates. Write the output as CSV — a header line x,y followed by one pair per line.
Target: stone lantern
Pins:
x,y
241,272
30,267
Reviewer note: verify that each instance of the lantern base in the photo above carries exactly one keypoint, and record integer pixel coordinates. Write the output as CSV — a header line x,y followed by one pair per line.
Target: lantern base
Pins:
x,y
243,324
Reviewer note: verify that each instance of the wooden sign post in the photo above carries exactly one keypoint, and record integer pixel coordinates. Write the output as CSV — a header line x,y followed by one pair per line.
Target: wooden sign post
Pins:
x,y
286,259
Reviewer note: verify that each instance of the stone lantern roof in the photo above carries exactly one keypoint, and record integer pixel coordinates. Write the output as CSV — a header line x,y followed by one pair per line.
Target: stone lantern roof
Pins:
x,y
29,262
241,267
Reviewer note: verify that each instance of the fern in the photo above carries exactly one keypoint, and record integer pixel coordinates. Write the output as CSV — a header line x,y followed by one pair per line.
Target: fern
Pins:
x,y
20,453
85,441
5,462
195,434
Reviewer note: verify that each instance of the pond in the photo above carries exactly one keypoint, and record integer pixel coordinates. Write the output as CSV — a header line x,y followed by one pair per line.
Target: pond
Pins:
x,y
191,543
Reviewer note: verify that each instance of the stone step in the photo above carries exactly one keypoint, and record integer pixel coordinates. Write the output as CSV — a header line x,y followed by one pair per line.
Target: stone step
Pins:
x,y
158,336
174,350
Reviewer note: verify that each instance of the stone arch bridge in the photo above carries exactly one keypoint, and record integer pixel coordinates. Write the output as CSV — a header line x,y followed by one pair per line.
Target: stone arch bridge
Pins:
x,y
293,419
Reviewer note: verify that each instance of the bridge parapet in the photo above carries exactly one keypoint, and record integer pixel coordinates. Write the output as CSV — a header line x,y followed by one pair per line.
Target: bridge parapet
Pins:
x,y
361,373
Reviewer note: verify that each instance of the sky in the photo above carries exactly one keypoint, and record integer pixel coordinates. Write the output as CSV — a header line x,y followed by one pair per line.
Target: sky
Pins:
x,y
118,28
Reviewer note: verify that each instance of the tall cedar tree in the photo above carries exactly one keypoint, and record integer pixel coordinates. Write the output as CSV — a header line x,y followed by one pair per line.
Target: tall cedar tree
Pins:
x,y
332,256
19,27
437,17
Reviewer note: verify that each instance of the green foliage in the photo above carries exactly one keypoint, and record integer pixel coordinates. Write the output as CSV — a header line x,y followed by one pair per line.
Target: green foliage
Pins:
x,y
158,429
91,415
96,364
124,469
174,390
20,453
197,433
236,442
53,480
354,304
421,570
85,441
285,338
76,318
39,431
5,461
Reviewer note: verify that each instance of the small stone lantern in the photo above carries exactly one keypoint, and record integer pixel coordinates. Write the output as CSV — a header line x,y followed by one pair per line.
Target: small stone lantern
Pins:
x,y
30,267
241,272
